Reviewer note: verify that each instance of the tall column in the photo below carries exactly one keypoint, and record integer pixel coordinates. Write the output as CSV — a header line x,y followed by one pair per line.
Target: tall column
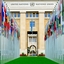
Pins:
x,y
23,47
41,33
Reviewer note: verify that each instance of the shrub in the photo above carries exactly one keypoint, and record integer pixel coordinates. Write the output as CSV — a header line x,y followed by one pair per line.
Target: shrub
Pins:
x,y
22,54
41,54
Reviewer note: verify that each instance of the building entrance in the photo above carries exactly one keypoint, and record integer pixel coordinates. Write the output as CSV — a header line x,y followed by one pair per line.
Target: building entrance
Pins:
x,y
32,45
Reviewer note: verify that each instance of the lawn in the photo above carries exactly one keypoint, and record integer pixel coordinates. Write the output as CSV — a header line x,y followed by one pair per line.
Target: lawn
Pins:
x,y
31,60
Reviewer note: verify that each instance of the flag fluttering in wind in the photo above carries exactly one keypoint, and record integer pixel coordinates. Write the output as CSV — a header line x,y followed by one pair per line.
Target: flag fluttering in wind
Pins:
x,y
3,16
49,31
0,12
12,28
54,26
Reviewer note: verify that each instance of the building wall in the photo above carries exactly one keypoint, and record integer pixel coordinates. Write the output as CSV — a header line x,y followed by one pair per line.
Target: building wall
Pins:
x,y
24,23
28,24
23,41
18,21
45,21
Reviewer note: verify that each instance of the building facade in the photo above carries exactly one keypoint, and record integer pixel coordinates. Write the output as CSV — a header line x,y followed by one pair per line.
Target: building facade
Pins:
x,y
32,17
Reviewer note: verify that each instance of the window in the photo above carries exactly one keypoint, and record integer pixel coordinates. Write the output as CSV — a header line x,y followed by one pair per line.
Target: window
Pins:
x,y
36,14
18,14
14,14
32,39
26,14
31,14
32,24
48,14
45,14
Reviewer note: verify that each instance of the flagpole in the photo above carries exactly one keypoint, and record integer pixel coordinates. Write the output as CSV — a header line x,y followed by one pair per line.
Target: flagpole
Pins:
x,y
0,32
32,36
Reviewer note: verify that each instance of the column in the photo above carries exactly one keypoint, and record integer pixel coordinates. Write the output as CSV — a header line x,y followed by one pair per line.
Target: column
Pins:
x,y
23,46
41,33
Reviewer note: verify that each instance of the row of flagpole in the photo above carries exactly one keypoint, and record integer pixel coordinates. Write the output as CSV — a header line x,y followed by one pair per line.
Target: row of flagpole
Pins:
x,y
9,35
54,36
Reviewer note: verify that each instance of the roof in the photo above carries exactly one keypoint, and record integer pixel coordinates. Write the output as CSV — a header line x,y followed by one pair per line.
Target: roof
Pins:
x,y
30,0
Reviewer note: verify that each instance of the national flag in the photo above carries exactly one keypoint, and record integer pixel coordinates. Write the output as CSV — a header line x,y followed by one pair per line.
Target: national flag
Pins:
x,y
56,33
3,13
45,37
15,30
59,20
3,17
54,26
7,19
0,19
61,1
18,34
6,28
0,12
51,26
0,5
12,27
60,31
49,31
59,6
62,5
55,17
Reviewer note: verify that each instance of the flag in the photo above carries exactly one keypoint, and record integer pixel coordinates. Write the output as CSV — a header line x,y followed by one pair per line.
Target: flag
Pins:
x,y
60,31
0,19
62,5
61,1
6,28
12,27
3,12
60,21
59,6
55,17
45,37
3,17
15,30
18,34
0,5
56,33
49,31
54,26
0,13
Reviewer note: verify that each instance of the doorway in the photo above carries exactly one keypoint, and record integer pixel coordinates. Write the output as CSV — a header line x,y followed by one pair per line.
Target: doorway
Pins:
x,y
32,44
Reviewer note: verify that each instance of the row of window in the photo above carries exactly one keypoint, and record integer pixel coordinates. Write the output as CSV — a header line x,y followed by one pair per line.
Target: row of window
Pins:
x,y
32,39
15,14
32,14
47,14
